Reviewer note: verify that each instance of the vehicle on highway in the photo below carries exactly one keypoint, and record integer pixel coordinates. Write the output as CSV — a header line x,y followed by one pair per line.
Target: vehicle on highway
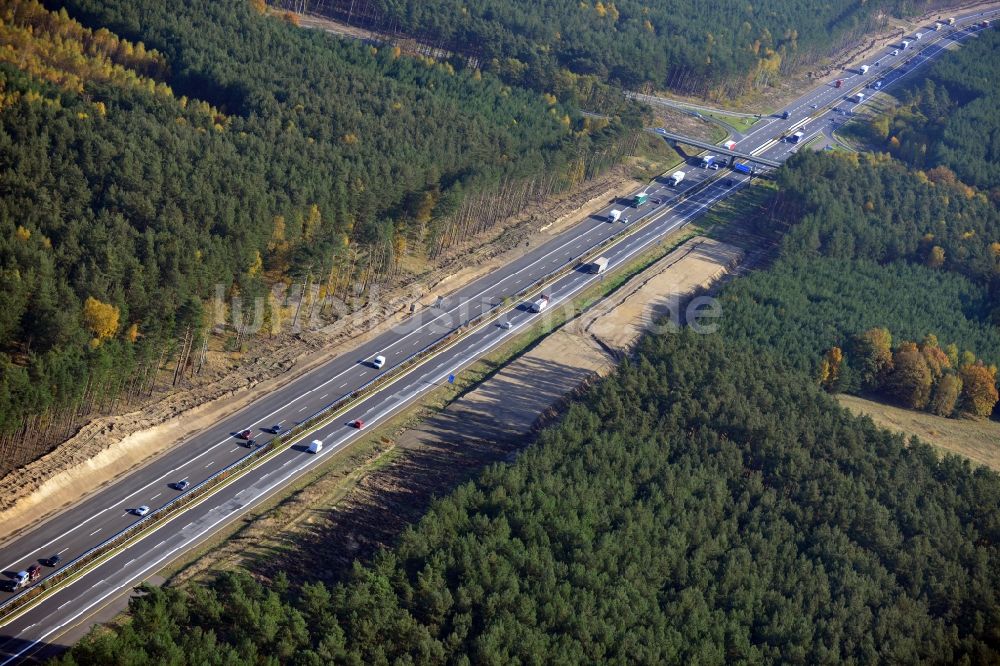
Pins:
x,y
275,429
795,138
656,201
598,266
141,511
359,424
815,106
640,199
251,443
540,304
20,580
316,446
784,115
54,560
506,325
246,434
34,573
378,361
839,83
739,167
675,178
728,182
895,52
614,215
182,485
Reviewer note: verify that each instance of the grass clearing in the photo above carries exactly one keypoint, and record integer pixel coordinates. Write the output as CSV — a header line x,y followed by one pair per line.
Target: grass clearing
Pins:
x,y
739,123
653,156
977,440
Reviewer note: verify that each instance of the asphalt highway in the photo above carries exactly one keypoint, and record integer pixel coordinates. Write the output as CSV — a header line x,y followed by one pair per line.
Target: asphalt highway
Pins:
x,y
109,509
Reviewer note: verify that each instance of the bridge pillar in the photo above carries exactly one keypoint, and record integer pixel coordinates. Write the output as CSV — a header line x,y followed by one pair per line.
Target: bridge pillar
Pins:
x,y
732,161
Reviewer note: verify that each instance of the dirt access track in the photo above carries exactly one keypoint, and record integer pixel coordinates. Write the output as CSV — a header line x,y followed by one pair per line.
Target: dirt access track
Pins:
x,y
364,504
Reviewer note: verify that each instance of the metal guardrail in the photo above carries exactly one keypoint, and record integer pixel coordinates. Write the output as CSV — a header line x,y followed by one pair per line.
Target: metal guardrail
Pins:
x,y
92,556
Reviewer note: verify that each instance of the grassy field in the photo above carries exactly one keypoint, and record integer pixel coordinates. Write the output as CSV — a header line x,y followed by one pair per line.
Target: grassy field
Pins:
x,y
653,157
739,123
977,440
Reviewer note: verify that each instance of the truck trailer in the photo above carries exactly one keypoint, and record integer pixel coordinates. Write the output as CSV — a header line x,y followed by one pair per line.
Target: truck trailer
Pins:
x,y
864,69
540,304
614,215
676,177
598,266
640,199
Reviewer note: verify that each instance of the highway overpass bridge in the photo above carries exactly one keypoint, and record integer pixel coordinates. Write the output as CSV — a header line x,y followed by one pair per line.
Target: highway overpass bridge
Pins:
x,y
733,155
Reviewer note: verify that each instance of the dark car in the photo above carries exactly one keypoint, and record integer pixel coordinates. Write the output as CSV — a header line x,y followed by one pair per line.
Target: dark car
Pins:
x,y
729,182
275,429
54,560
784,115
182,485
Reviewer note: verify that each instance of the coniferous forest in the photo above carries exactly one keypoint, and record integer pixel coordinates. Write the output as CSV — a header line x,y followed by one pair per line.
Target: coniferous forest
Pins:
x,y
888,282
705,504
709,502
151,153
722,48
950,117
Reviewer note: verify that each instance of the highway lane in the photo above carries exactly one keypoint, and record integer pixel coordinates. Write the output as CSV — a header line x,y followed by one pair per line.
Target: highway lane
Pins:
x,y
124,570
84,525
105,513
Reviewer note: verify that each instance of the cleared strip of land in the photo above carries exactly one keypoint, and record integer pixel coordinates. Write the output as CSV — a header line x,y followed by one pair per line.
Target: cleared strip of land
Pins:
x,y
977,440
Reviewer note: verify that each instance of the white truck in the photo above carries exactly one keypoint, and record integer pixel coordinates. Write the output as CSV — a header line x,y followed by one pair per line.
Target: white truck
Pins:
x,y
614,215
864,69
951,21
938,25
905,44
729,145
675,178
540,304
918,35
599,265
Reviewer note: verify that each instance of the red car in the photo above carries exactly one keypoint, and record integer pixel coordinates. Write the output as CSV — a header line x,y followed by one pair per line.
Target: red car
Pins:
x,y
359,424
34,573
246,434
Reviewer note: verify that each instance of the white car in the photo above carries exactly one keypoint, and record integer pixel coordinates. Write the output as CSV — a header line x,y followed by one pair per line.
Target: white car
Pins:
x,y
141,511
378,361
506,325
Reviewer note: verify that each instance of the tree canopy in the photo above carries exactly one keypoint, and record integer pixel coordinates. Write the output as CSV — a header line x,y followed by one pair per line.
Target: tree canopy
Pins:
x,y
702,504
950,117
150,152
690,46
